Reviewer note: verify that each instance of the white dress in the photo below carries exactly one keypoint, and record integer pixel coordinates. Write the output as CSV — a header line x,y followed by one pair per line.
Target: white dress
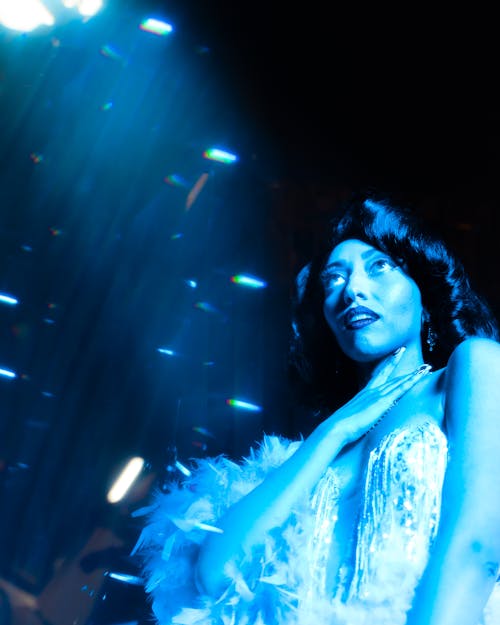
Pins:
x,y
283,581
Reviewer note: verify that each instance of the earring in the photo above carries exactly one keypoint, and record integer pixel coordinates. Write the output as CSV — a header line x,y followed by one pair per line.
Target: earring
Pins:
x,y
431,338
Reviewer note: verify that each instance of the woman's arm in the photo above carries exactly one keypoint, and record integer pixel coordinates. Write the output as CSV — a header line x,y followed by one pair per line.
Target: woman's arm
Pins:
x,y
245,523
465,558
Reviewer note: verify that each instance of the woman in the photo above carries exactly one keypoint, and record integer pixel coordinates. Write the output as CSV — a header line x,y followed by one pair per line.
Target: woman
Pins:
x,y
388,513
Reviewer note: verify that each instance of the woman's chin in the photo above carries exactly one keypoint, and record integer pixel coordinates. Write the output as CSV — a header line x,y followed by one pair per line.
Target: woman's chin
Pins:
x,y
365,354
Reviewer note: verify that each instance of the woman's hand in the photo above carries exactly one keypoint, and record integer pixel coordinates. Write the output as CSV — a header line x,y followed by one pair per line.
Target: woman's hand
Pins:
x,y
369,406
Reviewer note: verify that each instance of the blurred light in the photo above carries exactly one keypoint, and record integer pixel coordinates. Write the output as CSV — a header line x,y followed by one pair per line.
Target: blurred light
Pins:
x,y
221,156
88,8
196,190
200,445
156,27
125,480
24,15
209,528
107,107
202,430
126,578
206,307
8,299
36,157
6,373
243,405
110,53
167,352
175,180
192,283
250,281
184,470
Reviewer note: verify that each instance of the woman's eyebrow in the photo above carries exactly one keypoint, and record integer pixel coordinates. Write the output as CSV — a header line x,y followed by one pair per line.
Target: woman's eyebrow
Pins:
x,y
372,252
335,263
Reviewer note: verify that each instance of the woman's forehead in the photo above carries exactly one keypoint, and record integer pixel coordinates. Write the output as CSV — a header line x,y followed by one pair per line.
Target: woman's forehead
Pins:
x,y
351,249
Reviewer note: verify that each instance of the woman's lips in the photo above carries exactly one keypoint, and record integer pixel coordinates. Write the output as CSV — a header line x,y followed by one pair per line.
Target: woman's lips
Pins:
x,y
356,324
359,317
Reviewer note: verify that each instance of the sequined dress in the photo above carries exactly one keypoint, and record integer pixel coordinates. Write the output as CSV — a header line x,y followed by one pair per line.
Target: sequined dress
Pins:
x,y
284,580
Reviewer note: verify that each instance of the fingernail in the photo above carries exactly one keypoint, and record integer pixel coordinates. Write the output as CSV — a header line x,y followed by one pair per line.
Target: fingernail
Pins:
x,y
400,350
423,369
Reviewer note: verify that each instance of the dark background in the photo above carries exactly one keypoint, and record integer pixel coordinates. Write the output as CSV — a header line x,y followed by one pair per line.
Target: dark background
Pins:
x,y
318,102
402,99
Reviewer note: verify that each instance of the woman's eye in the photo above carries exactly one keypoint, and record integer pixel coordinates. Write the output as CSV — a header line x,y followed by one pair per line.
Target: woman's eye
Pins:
x,y
381,265
333,279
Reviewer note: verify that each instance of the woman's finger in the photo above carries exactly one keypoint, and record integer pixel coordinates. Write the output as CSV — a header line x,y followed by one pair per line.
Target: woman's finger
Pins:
x,y
386,369
401,384
367,408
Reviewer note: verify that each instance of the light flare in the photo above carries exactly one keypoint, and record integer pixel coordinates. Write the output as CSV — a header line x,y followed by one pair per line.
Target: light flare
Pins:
x,y
24,15
125,480
249,281
243,405
221,156
7,373
156,27
8,299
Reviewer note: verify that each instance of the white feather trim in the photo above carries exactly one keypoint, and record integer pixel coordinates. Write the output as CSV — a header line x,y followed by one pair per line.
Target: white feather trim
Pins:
x,y
272,586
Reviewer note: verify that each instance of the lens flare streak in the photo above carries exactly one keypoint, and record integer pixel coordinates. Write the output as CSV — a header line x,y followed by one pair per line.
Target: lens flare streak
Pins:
x,y
184,470
196,190
156,27
125,480
126,578
202,430
249,281
167,352
209,528
221,156
8,299
7,373
243,405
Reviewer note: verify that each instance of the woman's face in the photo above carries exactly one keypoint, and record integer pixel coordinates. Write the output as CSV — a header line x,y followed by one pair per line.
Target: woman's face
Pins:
x,y
371,305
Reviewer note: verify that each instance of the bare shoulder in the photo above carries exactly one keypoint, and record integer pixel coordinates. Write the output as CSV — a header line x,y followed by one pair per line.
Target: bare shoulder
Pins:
x,y
472,383
476,350
476,358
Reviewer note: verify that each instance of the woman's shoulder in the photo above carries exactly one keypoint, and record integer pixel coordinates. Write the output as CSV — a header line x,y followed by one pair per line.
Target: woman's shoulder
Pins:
x,y
477,351
476,360
472,386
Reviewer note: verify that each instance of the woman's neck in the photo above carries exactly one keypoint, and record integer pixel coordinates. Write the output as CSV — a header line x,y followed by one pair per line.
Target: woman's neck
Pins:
x,y
411,360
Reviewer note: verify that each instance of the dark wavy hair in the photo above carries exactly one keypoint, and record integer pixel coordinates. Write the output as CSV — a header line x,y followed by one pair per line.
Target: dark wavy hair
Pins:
x,y
322,376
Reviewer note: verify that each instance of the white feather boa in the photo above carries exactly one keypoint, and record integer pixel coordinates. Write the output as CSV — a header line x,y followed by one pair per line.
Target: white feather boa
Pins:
x,y
262,590
270,587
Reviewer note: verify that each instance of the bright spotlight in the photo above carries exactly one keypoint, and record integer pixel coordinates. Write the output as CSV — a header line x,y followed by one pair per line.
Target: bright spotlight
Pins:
x,y
125,480
88,8
24,15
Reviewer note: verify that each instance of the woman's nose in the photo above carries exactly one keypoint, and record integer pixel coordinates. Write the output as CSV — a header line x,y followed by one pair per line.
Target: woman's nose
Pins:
x,y
355,287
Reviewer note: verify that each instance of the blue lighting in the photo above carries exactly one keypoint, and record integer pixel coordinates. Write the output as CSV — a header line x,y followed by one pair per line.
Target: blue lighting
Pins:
x,y
221,156
249,281
184,470
8,299
243,405
167,352
6,373
156,27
